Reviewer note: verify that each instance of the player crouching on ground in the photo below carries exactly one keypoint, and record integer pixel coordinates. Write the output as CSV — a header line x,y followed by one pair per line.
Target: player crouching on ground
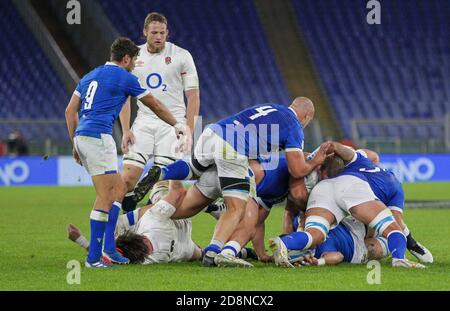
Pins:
x,y
348,192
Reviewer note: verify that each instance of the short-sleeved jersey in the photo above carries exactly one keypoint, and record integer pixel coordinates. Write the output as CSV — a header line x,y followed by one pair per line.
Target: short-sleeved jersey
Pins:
x,y
166,235
382,182
103,92
339,240
274,186
166,75
262,129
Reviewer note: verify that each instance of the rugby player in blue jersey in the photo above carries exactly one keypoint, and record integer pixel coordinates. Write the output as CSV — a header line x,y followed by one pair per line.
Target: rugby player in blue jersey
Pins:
x,y
343,191
347,242
90,115
253,133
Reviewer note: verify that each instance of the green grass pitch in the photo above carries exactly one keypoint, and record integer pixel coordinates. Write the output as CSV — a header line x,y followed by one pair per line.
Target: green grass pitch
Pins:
x,y
35,251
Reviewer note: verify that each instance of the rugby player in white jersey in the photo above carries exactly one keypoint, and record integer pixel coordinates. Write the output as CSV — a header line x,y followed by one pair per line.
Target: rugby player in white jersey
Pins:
x,y
168,71
149,235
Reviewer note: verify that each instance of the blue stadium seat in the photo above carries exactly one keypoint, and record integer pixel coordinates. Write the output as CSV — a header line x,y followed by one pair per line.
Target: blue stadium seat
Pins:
x,y
399,69
29,87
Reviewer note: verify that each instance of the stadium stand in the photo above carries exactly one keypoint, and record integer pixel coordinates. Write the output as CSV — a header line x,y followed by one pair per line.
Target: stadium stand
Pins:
x,y
233,58
397,70
29,88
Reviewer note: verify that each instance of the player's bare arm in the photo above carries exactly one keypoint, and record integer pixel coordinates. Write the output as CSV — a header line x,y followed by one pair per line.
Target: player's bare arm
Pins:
x,y
329,258
299,167
127,135
193,107
72,121
344,152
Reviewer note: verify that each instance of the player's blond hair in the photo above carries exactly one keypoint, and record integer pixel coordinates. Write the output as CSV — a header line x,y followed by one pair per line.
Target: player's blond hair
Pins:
x,y
154,17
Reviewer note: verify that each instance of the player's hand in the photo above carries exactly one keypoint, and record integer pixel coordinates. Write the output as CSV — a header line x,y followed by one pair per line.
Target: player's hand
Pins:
x,y
73,233
265,258
76,157
127,140
322,153
184,137
309,260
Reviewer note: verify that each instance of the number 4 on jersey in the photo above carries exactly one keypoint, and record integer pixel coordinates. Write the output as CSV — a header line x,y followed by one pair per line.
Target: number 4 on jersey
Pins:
x,y
90,94
262,111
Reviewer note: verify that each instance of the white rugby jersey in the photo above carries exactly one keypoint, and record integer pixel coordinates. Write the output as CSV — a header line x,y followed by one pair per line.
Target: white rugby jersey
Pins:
x,y
171,239
166,75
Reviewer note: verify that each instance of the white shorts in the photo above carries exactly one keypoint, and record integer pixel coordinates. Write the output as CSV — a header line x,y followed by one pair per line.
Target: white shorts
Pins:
x,y
212,149
184,246
152,138
98,155
358,233
340,194
208,184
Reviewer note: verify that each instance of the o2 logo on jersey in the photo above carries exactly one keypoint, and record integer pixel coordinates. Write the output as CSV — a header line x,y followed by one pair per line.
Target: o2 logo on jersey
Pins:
x,y
14,172
154,81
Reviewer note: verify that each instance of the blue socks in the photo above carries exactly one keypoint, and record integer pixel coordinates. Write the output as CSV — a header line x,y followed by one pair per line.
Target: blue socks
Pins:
x,y
215,246
397,244
297,240
98,222
110,244
179,170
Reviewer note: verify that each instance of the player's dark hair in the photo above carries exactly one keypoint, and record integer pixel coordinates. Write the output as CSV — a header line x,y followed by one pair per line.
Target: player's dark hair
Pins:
x,y
155,17
132,247
121,47
333,165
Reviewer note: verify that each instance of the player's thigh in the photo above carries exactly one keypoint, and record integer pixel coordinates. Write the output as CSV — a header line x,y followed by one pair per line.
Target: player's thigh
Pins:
x,y
321,202
351,191
98,155
166,145
143,148
208,184
193,203
367,211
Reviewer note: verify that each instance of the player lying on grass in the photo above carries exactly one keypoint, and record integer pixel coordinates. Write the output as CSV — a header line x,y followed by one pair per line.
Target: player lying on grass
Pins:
x,y
347,242
149,235
347,191
160,233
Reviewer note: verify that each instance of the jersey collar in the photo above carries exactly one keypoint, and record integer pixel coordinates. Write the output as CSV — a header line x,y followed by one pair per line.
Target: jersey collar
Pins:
x,y
293,111
111,64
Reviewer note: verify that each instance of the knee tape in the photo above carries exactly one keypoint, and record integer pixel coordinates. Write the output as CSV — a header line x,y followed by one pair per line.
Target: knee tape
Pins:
x,y
382,221
235,187
135,159
319,223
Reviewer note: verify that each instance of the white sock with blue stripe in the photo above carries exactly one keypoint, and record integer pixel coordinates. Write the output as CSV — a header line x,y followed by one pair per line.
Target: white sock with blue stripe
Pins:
x,y
231,248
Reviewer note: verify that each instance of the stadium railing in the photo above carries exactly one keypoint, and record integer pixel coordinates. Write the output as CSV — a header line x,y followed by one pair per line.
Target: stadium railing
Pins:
x,y
406,142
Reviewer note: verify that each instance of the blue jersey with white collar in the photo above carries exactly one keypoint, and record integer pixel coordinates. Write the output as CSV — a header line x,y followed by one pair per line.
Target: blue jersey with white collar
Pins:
x,y
274,186
103,92
262,129
382,182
